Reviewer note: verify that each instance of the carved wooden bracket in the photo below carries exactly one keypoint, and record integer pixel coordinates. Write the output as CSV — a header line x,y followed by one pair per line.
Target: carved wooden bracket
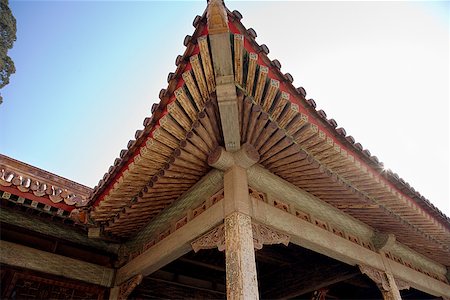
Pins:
x,y
262,235
388,285
377,276
245,157
402,285
128,286
215,238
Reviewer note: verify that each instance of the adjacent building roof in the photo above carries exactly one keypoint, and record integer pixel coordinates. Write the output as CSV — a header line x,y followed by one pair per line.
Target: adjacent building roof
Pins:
x,y
40,190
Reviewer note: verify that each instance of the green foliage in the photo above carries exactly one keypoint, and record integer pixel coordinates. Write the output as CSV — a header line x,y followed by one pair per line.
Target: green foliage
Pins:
x,y
8,37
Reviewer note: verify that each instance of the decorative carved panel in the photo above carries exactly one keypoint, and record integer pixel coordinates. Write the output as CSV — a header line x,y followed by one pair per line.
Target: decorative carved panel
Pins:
x,y
213,239
385,282
262,235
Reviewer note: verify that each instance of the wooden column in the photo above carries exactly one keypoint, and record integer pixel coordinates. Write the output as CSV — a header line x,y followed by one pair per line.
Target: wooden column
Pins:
x,y
239,249
240,257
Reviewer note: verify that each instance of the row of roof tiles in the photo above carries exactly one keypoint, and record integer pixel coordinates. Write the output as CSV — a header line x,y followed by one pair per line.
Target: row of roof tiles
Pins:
x,y
32,181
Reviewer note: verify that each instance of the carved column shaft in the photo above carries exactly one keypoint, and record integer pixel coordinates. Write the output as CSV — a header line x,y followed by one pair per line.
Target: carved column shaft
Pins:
x,y
239,251
240,257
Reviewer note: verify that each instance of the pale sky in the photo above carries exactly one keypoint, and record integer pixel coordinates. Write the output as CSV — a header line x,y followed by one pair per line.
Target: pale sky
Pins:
x,y
89,72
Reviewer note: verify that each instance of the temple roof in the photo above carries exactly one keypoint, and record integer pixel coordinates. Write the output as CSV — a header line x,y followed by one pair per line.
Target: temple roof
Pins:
x,y
298,143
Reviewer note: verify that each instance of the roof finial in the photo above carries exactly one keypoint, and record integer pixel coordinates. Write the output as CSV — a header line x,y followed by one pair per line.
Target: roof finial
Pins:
x,y
216,15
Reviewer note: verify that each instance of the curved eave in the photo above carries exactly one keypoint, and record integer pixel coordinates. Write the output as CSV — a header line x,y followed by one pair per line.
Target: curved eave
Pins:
x,y
328,163
126,156
320,117
169,155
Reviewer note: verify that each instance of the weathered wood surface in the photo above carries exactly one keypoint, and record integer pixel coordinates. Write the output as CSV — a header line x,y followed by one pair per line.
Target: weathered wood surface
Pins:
x,y
171,247
240,258
344,170
314,237
46,262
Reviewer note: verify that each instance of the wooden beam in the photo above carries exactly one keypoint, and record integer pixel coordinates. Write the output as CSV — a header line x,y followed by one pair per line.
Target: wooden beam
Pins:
x,y
297,199
206,187
57,231
310,236
219,38
173,246
46,262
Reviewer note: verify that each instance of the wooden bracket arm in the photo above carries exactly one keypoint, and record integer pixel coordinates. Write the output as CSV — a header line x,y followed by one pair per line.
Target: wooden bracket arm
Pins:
x,y
245,157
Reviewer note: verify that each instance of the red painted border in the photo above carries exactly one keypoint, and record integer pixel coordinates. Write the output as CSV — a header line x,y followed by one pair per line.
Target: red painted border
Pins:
x,y
44,200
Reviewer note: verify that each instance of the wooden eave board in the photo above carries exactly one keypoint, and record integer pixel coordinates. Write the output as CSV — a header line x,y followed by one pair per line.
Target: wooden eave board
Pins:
x,y
306,150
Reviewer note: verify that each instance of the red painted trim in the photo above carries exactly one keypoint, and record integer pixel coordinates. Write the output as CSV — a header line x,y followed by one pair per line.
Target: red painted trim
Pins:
x,y
29,195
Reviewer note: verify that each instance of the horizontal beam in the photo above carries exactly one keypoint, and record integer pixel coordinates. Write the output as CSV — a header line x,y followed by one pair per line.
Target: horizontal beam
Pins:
x,y
173,246
210,184
54,230
307,235
277,188
46,262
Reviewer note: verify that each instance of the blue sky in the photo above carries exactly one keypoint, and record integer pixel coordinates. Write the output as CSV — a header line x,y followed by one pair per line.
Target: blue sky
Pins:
x,y
88,73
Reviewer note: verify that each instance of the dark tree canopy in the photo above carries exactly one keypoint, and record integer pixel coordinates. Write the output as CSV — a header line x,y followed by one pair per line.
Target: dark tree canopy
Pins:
x,y
8,37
